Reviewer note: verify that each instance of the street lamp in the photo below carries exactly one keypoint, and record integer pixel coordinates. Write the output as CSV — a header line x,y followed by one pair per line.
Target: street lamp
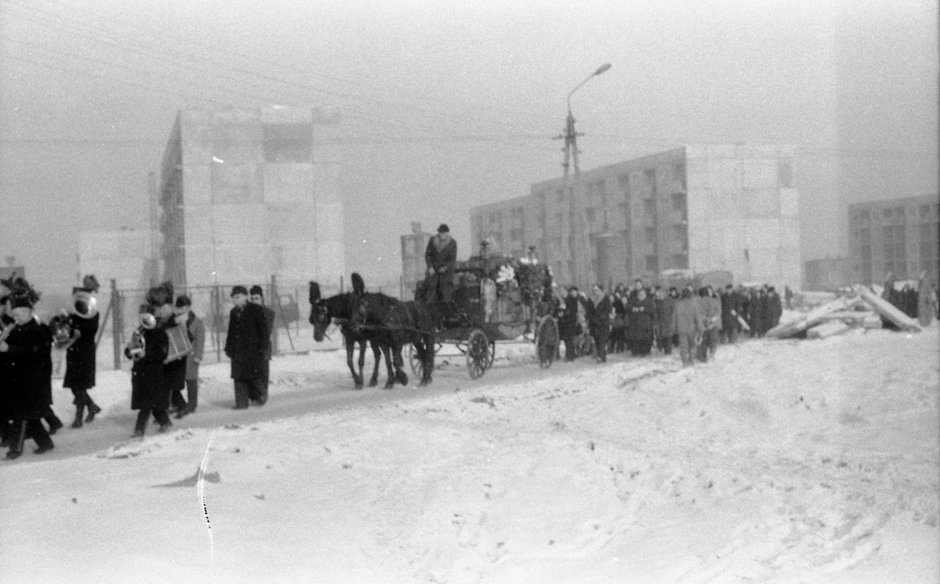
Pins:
x,y
576,222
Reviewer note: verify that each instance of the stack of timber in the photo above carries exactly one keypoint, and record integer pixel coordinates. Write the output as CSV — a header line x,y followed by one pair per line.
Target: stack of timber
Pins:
x,y
828,329
888,311
811,318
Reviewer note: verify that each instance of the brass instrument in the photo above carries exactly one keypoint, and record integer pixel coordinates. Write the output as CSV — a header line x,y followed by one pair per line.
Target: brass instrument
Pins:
x,y
137,345
84,305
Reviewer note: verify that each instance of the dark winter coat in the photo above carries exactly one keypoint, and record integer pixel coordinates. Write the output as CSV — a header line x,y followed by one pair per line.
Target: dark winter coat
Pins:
x,y
766,316
80,356
147,385
443,260
270,318
6,376
729,318
568,322
599,315
174,372
30,368
663,316
775,306
248,343
640,319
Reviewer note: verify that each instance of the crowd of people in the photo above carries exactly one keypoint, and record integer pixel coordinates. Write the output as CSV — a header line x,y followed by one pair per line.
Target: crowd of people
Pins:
x,y
640,318
165,349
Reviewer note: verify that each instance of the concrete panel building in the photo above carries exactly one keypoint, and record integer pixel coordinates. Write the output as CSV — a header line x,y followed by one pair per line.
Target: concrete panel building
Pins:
x,y
698,207
897,236
244,195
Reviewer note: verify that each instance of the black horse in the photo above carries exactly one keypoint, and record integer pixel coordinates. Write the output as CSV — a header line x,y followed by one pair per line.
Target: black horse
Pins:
x,y
323,311
395,324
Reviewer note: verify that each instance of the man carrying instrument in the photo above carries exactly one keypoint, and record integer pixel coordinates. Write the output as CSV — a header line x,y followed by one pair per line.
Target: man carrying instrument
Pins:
x,y
80,352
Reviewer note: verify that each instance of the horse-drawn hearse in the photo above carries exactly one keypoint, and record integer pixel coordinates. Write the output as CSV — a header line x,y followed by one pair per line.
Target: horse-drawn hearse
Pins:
x,y
496,299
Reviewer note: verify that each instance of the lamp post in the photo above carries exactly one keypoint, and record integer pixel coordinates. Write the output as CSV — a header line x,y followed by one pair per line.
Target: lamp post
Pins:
x,y
576,227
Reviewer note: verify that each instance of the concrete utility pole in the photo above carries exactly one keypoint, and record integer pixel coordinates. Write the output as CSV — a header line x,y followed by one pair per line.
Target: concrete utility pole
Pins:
x,y
575,239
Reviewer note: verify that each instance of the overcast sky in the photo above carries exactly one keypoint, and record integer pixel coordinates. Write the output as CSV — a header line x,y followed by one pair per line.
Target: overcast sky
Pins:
x,y
446,105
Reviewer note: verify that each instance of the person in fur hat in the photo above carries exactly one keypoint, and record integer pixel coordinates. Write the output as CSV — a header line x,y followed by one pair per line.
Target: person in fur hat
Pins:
x,y
80,364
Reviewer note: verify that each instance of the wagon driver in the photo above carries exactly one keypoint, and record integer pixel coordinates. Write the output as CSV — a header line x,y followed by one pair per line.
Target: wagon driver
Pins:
x,y
441,258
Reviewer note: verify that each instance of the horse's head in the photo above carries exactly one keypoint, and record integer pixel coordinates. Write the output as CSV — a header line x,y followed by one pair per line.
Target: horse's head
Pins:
x,y
320,318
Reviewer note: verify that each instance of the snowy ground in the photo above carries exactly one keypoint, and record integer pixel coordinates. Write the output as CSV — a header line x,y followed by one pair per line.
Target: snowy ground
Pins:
x,y
781,461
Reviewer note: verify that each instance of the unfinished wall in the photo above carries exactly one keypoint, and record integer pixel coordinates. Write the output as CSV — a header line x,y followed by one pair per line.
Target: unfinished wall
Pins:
x,y
255,204
744,213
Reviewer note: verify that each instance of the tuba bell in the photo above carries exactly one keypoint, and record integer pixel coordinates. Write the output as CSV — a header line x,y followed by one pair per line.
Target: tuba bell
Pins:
x,y
84,305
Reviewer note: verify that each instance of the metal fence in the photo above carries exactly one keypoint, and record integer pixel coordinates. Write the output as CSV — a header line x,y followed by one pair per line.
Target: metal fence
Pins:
x,y
290,301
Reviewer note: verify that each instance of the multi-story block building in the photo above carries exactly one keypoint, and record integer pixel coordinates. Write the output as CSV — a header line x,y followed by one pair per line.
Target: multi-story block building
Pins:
x,y
697,207
896,236
244,196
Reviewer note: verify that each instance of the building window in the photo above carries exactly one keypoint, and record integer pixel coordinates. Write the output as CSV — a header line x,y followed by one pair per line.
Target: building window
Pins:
x,y
678,202
649,208
591,214
623,181
650,176
288,143
652,264
785,174
678,170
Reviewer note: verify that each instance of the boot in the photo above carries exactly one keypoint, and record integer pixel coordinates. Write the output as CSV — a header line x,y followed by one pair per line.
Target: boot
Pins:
x,y
55,424
93,409
79,411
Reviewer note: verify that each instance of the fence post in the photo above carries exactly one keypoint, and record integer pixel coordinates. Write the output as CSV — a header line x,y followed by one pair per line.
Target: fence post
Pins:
x,y
273,297
217,316
117,323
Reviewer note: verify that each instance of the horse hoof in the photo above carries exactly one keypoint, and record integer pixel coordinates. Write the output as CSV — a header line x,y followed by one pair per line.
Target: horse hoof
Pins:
x,y
358,386
389,386
373,383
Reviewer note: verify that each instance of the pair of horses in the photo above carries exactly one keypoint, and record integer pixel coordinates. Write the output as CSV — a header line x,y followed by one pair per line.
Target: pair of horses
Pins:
x,y
379,321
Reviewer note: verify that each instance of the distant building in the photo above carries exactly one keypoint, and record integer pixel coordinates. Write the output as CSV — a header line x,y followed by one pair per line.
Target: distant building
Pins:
x,y
897,236
243,196
125,255
826,274
412,258
699,207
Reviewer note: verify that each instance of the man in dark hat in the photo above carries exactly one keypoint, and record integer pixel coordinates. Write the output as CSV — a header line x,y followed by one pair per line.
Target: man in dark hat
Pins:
x,y
27,345
80,359
440,258
247,344
256,296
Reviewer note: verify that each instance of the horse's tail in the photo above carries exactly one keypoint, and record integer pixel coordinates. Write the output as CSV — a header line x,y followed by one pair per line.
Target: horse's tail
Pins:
x,y
358,284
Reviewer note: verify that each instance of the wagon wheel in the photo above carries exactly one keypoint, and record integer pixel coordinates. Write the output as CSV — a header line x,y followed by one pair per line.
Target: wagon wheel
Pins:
x,y
546,341
479,353
417,367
